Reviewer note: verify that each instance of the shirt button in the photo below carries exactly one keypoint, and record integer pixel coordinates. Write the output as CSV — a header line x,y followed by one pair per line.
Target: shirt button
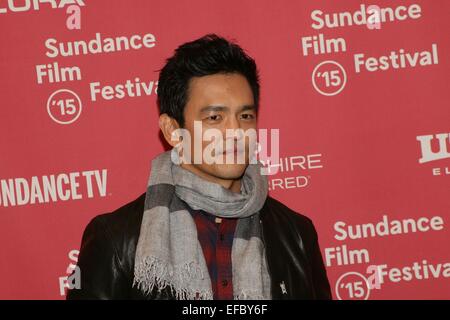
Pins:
x,y
221,237
224,283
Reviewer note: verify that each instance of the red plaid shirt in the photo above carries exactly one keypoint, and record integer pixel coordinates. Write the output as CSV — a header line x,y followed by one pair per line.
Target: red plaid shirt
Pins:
x,y
216,240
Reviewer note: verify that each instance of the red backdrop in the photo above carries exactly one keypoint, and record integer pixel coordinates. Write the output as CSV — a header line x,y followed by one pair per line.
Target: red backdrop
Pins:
x,y
364,126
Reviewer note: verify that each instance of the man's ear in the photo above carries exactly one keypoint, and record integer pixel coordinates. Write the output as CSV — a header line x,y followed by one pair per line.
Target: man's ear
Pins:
x,y
168,125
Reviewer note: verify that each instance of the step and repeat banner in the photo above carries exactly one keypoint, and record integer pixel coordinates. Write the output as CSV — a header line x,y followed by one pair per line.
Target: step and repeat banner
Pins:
x,y
359,91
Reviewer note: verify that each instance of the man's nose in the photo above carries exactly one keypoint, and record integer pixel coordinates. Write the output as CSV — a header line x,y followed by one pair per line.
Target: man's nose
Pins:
x,y
233,123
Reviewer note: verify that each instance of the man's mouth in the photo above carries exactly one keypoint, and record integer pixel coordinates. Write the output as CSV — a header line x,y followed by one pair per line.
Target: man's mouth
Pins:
x,y
234,151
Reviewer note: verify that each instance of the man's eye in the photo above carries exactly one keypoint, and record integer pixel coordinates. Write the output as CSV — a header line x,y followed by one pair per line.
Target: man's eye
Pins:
x,y
214,117
247,116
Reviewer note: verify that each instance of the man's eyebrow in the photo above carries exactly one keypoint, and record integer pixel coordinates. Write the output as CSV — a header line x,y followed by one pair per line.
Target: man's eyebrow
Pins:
x,y
213,108
248,107
224,108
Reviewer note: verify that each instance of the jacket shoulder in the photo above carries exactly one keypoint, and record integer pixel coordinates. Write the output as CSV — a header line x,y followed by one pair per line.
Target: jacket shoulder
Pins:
x,y
277,210
123,219
120,230
123,227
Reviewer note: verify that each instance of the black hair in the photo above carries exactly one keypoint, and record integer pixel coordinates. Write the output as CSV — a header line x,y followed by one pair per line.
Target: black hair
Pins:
x,y
210,54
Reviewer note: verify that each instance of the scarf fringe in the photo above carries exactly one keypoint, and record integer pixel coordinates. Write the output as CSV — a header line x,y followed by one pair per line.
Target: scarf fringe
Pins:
x,y
152,272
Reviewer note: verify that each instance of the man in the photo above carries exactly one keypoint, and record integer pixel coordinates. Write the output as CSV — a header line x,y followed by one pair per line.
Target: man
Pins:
x,y
204,229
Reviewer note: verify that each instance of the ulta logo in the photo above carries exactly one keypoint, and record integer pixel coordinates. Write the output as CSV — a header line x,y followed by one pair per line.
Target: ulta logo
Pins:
x,y
427,152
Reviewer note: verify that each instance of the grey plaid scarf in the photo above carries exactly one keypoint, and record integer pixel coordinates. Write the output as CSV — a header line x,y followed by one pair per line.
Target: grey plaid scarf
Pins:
x,y
168,252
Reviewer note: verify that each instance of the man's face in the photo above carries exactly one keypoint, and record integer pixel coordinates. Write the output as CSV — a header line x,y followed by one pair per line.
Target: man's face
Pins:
x,y
221,101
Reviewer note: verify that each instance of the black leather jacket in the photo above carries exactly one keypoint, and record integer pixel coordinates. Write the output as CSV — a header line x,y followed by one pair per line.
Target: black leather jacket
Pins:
x,y
107,253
